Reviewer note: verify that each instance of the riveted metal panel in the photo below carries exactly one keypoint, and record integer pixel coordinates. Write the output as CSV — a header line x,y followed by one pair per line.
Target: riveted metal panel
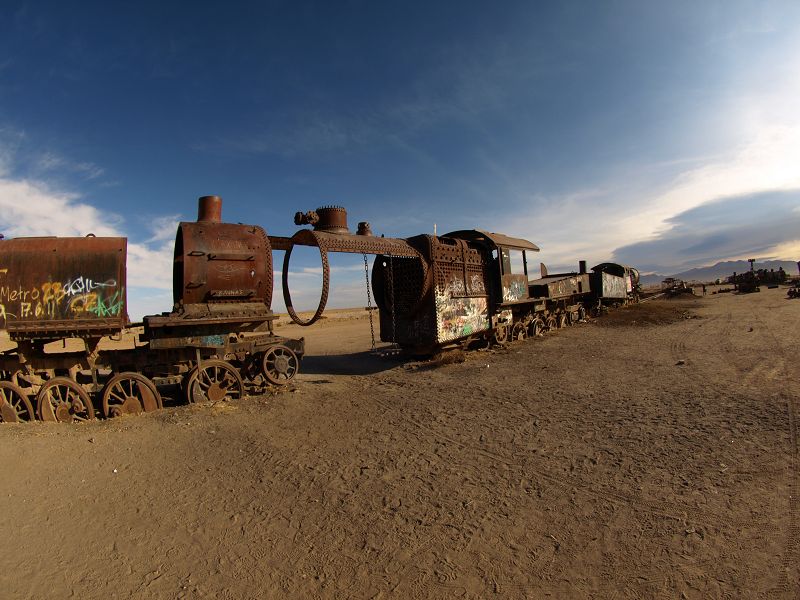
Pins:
x,y
221,262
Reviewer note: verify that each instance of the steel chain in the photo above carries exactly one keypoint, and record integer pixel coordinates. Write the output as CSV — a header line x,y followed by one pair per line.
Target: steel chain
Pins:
x,y
391,300
369,302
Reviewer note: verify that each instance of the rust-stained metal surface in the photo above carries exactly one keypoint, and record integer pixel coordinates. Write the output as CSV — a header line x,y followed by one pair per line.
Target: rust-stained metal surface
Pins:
x,y
221,262
51,287
560,286
496,240
614,281
357,244
442,297
330,234
611,286
430,289
219,331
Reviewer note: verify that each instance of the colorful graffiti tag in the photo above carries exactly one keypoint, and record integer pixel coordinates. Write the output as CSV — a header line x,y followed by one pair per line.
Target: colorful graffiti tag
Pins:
x,y
515,290
78,297
457,317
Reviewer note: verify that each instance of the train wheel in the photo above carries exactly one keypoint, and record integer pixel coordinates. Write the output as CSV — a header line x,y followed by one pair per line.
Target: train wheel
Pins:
x,y
550,323
130,394
561,320
535,327
279,365
62,399
14,404
216,380
519,331
500,334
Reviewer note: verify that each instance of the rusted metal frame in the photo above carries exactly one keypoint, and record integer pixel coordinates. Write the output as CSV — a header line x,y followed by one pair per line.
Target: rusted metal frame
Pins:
x,y
310,238
326,242
62,361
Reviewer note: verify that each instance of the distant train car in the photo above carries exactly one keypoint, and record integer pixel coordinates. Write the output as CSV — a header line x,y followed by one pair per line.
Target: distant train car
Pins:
x,y
615,284
566,294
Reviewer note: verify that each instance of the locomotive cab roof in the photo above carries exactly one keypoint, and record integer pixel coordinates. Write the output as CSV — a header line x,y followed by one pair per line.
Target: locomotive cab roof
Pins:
x,y
494,240
613,268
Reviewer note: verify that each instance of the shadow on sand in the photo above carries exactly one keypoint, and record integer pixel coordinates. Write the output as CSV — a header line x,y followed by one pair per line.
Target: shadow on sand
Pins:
x,y
356,363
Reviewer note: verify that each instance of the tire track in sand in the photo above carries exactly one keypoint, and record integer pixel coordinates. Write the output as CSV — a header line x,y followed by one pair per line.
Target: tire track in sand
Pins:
x,y
789,582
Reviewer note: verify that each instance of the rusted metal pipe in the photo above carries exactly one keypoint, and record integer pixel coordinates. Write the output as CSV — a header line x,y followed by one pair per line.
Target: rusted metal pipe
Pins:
x,y
209,209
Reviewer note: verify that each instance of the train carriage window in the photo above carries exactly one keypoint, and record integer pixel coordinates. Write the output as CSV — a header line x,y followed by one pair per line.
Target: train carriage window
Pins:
x,y
513,262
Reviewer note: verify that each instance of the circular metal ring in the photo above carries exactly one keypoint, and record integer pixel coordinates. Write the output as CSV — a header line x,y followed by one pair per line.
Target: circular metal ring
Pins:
x,y
326,277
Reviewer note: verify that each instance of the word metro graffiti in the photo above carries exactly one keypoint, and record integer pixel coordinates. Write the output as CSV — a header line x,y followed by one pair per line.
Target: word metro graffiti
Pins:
x,y
79,297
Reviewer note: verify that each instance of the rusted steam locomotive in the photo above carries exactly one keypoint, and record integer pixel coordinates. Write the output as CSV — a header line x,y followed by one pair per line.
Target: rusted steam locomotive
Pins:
x,y
218,341
435,291
63,299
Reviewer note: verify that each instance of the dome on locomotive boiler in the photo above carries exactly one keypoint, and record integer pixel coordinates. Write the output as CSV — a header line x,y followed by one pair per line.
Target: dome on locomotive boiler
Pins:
x,y
218,262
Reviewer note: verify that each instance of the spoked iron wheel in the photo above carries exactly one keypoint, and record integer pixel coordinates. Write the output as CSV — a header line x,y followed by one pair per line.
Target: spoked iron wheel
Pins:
x,y
216,380
535,327
561,320
62,399
519,331
130,394
500,334
551,323
15,406
279,365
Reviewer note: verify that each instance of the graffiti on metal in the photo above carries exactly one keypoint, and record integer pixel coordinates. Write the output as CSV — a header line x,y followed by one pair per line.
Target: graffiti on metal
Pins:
x,y
515,288
613,286
78,297
457,317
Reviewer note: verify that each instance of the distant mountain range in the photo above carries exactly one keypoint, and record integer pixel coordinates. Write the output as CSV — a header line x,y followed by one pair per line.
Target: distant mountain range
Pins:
x,y
721,270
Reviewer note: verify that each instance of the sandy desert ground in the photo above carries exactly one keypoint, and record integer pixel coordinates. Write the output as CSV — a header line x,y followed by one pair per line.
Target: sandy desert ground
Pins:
x,y
651,453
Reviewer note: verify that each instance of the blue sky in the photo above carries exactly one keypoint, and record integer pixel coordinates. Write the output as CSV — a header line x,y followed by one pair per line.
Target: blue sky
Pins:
x,y
663,134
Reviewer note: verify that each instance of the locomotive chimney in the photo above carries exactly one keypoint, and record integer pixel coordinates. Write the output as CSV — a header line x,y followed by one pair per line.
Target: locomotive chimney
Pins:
x,y
209,209
582,266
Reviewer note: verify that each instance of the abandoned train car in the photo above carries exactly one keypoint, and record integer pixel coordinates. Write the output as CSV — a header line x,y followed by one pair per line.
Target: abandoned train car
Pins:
x,y
217,340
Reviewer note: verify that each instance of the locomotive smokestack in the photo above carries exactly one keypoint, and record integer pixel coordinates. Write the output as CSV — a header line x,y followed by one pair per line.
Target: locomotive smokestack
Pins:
x,y
582,266
209,209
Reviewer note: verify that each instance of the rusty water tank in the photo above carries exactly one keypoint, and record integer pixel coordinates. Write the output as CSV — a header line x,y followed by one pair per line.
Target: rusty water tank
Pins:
x,y
220,262
54,287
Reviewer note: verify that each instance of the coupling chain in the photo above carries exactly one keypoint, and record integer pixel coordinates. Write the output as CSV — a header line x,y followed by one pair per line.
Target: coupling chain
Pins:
x,y
391,300
369,303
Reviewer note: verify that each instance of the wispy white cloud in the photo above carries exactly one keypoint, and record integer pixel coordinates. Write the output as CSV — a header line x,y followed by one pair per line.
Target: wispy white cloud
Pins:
x,y
162,228
31,208
639,202
50,161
